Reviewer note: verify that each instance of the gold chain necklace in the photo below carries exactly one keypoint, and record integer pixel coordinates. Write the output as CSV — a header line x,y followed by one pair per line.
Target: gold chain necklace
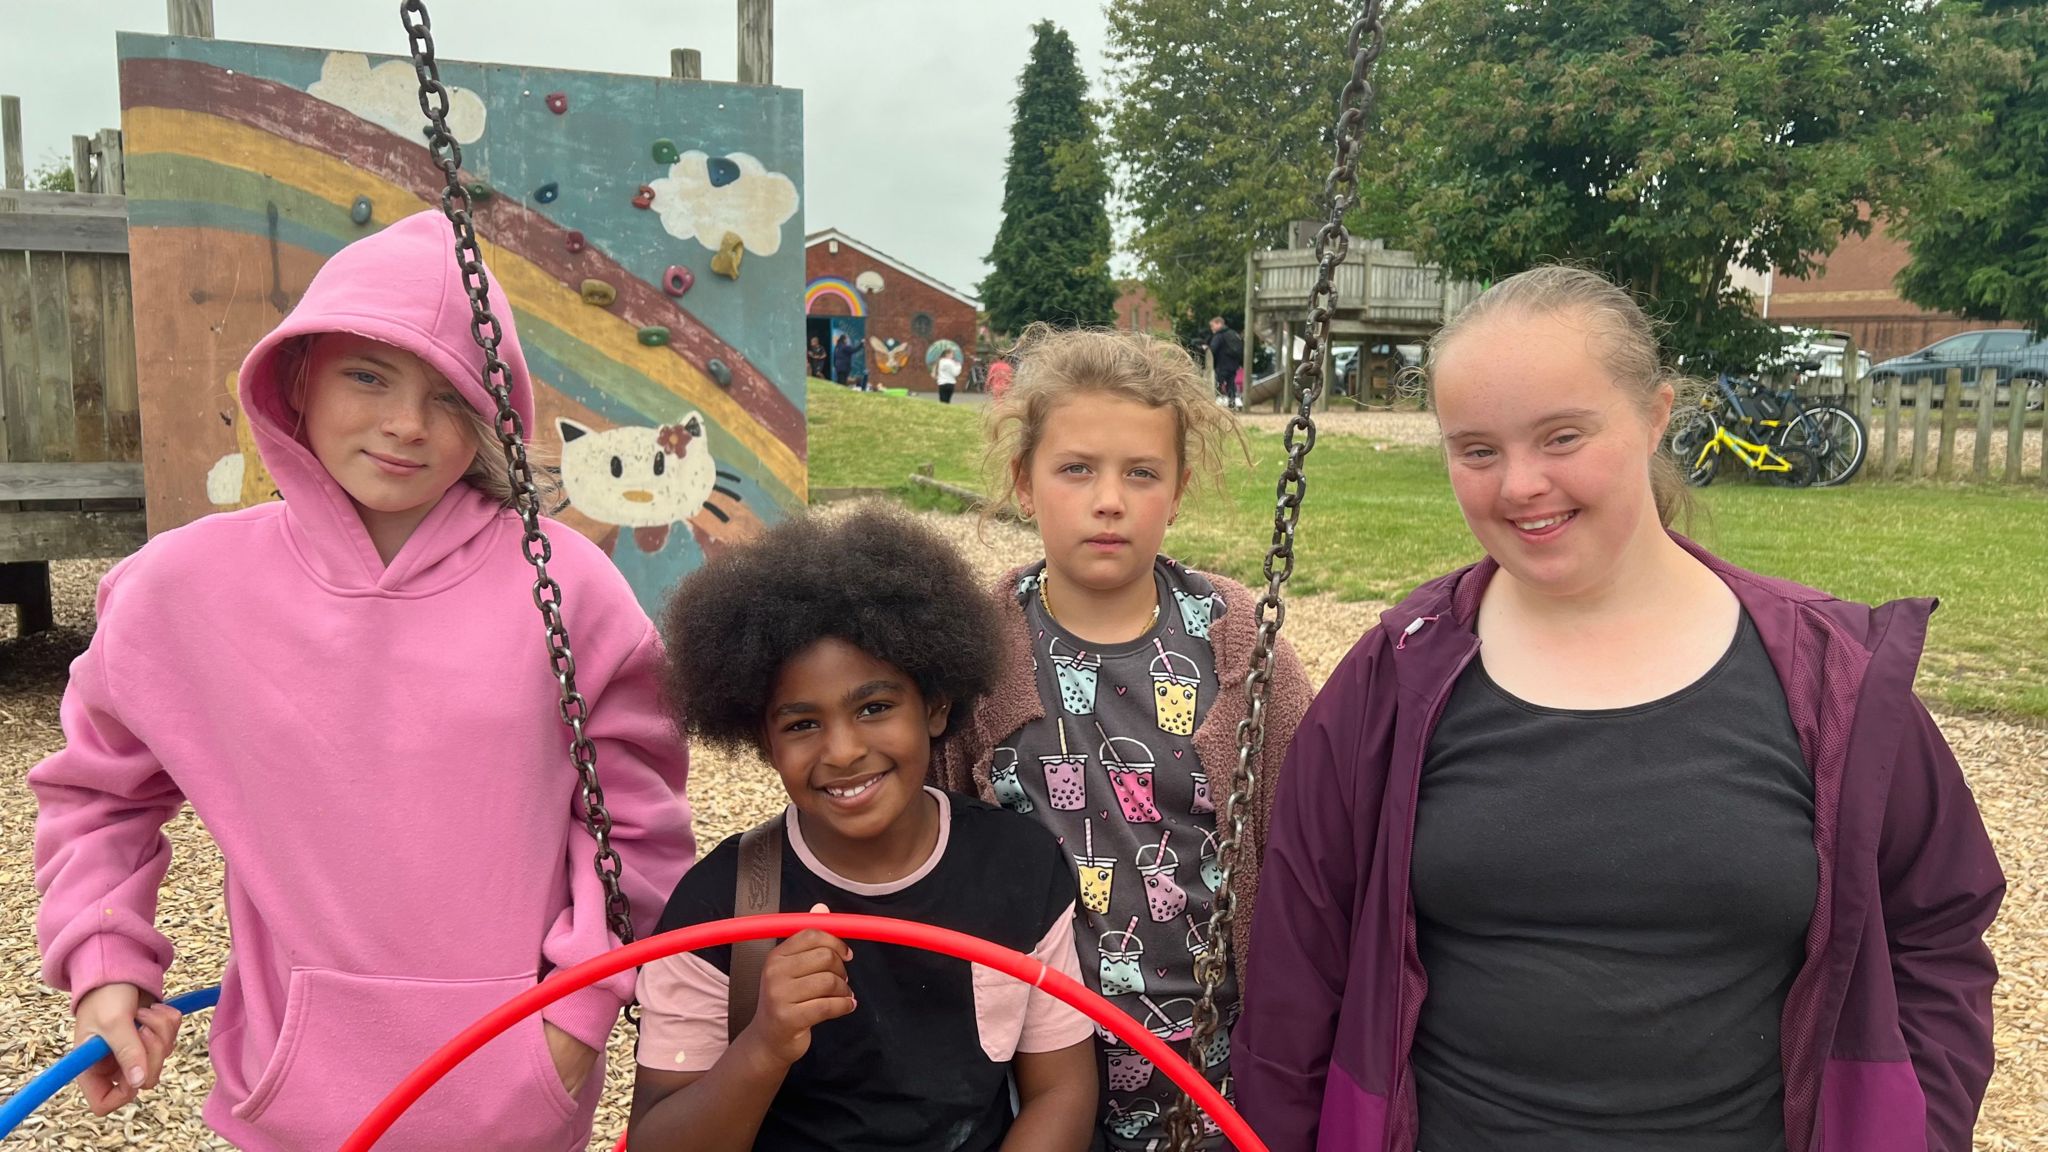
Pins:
x,y
1045,577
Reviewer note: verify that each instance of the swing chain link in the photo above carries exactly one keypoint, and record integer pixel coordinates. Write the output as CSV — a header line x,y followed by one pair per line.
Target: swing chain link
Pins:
x,y
547,593
1340,192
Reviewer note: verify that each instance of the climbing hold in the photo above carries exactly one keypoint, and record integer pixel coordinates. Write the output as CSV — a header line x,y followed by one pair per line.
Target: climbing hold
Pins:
x,y
654,336
719,372
599,293
547,192
677,280
721,171
665,152
730,251
558,102
644,198
359,212
480,191
573,242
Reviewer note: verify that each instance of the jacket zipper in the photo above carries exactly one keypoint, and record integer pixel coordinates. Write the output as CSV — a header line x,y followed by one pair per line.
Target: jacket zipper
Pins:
x,y
1407,1016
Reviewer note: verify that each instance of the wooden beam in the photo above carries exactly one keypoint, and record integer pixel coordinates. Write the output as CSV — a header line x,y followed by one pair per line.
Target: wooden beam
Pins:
x,y
81,163
1987,395
1888,462
190,17
47,232
1951,408
104,480
69,535
10,140
757,41
2016,439
685,64
1923,407
113,163
63,203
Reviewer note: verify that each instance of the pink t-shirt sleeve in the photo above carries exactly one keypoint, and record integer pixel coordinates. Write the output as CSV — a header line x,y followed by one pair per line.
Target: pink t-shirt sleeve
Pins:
x,y
682,1014
1048,1024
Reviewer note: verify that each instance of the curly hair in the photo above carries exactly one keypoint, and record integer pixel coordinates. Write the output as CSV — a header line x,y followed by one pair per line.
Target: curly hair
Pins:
x,y
874,578
1054,364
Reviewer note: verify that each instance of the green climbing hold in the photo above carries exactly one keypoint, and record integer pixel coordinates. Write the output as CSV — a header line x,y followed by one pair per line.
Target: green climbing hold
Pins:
x,y
480,191
654,336
665,152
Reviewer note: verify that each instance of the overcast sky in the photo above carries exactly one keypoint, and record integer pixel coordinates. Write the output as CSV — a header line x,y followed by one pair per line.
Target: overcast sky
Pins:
x,y
906,102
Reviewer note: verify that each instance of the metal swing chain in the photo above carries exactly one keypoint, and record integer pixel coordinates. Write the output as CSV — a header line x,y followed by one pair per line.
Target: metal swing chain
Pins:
x,y
1340,192
547,594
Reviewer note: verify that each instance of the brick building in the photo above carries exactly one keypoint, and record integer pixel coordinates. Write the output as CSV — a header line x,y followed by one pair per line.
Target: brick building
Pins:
x,y
1857,293
1138,311
894,311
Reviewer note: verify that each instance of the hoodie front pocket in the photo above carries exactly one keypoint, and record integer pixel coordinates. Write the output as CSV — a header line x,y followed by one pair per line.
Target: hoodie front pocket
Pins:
x,y
347,1040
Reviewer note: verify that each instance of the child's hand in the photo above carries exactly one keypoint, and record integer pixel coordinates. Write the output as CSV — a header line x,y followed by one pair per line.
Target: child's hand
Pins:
x,y
803,984
140,1037
573,1058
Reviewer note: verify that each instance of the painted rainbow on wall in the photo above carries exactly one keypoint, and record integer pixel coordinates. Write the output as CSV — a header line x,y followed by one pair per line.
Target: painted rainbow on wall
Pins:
x,y
825,286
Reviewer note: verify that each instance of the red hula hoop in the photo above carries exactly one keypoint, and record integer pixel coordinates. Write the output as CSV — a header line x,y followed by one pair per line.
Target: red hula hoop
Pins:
x,y
875,929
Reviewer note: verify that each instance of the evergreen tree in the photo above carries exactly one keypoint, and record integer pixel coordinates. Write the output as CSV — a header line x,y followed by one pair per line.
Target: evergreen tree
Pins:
x,y
1051,256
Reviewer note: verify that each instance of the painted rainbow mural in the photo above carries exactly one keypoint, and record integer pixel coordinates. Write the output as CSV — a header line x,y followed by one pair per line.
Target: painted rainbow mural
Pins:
x,y
249,165
826,286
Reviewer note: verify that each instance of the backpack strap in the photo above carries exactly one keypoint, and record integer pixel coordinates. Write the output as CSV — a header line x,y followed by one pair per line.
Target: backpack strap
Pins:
x,y
757,891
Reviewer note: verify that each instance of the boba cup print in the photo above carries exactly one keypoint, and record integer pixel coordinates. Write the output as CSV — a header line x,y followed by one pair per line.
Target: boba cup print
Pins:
x,y
1172,1021
1128,1071
1164,898
1131,1123
1175,681
1212,870
1201,805
1123,962
1195,613
1077,675
1066,776
1098,874
1129,764
1010,789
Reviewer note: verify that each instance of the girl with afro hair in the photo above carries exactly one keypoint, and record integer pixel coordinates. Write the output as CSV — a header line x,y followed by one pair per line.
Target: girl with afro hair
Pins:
x,y
840,648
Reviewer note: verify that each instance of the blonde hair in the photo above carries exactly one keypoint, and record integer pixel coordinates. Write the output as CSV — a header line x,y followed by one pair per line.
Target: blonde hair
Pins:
x,y
1054,364
1624,339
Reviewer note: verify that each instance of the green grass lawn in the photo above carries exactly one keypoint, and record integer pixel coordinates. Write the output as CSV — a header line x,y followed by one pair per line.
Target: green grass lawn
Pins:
x,y
1376,523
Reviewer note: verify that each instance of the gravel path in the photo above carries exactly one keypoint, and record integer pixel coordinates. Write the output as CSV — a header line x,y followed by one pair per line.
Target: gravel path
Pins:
x,y
2007,765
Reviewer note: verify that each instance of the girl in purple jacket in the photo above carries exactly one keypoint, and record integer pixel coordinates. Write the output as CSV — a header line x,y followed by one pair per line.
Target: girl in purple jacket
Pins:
x,y
1603,843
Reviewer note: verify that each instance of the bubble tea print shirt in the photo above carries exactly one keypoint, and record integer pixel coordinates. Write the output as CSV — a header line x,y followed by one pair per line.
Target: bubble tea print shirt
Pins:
x,y
1111,769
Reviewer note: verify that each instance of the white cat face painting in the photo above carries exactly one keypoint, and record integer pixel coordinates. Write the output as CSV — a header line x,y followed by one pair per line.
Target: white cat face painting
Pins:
x,y
637,477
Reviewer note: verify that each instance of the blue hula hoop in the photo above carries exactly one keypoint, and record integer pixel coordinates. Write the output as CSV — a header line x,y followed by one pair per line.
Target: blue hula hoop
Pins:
x,y
51,1081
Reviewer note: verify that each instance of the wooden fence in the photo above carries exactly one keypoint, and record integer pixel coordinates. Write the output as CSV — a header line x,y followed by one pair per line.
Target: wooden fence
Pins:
x,y
1957,424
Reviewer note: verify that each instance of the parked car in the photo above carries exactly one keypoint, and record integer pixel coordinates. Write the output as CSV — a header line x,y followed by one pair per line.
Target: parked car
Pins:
x,y
2013,353
1814,346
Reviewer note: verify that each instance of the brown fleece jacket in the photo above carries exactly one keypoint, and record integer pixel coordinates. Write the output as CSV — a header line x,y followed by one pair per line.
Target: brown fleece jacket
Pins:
x,y
964,760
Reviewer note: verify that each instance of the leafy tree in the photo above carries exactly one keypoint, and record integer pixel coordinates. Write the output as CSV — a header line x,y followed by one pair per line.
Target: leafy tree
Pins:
x,y
54,176
1051,256
1977,224
1219,131
1662,142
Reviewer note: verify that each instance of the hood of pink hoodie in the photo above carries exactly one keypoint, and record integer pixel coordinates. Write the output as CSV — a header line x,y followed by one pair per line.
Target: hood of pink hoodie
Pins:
x,y
401,286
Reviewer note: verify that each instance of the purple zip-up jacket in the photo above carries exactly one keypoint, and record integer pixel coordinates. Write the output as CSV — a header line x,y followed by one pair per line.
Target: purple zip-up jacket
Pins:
x,y
1886,1042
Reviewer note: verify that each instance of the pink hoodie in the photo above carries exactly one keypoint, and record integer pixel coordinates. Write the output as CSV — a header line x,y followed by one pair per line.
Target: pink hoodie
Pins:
x,y
377,752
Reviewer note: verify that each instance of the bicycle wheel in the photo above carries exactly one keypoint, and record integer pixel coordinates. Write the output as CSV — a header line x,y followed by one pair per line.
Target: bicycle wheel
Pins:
x,y
1834,437
1804,468
1692,440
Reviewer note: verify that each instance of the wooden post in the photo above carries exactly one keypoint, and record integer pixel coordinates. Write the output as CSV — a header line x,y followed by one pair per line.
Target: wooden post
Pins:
x,y
1987,396
190,17
1923,405
1251,320
26,585
113,165
1951,407
685,64
2016,439
1283,395
757,41
81,164
1888,463
10,140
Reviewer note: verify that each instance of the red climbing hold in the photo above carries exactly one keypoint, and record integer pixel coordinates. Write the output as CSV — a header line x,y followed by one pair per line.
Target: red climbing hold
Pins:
x,y
677,280
573,242
644,198
558,102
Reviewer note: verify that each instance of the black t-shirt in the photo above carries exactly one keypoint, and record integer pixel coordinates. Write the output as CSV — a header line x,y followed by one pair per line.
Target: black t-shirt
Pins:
x,y
1611,907
923,1062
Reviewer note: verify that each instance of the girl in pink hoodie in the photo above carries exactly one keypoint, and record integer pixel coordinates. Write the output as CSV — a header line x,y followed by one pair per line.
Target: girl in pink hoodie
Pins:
x,y
348,688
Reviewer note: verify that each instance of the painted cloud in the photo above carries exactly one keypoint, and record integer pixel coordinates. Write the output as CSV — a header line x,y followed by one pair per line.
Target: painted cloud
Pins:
x,y
389,95
708,196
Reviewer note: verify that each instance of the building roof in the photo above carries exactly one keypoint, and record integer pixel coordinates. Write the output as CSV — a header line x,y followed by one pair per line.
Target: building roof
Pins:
x,y
817,238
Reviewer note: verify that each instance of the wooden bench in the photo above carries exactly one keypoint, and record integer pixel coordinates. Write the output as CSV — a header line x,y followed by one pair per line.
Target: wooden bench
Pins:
x,y
62,512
